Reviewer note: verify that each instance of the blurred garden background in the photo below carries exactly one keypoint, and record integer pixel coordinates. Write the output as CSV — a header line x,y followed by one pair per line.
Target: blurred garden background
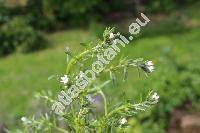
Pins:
x,y
34,34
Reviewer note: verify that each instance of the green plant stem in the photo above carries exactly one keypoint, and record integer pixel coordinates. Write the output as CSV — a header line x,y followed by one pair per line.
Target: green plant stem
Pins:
x,y
73,61
105,102
115,110
61,130
78,57
72,109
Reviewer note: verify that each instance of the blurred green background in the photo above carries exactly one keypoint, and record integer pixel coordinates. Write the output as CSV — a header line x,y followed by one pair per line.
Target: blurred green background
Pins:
x,y
34,34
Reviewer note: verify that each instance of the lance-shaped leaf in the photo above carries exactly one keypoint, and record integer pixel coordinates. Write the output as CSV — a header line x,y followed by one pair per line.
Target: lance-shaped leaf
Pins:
x,y
97,88
86,45
113,78
125,73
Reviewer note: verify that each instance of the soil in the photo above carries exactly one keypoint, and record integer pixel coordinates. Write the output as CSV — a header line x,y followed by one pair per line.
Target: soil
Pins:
x,y
183,121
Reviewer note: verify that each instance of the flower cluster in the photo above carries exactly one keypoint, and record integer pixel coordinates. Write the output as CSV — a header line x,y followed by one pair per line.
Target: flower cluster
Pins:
x,y
123,121
148,66
155,97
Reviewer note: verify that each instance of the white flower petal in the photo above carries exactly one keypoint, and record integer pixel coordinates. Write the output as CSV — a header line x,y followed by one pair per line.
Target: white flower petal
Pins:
x,y
111,36
155,96
64,79
151,68
123,121
149,63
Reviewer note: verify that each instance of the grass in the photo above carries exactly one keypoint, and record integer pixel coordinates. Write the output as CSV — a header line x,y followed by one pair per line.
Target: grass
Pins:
x,y
176,57
23,75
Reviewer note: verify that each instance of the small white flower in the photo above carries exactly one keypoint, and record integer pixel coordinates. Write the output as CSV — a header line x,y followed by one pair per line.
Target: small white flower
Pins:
x,y
81,75
123,121
25,120
64,79
149,63
151,68
148,66
155,97
111,36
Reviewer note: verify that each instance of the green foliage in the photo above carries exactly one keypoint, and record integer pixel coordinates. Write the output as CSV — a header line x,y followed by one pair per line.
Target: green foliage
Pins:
x,y
17,35
50,15
177,74
44,14
4,13
159,28
161,5
166,5
81,114
40,14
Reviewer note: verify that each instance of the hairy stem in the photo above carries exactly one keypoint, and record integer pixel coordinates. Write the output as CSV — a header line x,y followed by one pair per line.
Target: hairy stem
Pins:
x,y
61,130
73,61
105,102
